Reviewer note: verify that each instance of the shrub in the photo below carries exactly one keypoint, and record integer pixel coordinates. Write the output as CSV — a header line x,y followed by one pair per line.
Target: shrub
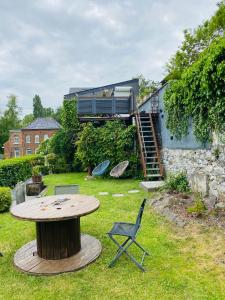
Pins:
x,y
44,170
57,164
177,182
113,141
199,207
36,170
18,169
60,166
5,199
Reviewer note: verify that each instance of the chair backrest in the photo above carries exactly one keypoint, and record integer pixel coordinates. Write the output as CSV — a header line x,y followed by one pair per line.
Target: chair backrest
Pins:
x,y
67,189
140,213
119,169
101,168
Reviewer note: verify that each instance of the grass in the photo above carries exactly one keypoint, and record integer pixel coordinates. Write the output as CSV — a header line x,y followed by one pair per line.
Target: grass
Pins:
x,y
184,263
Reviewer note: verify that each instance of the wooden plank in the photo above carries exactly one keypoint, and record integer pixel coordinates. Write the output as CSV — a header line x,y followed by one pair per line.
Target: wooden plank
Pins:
x,y
143,162
90,250
46,208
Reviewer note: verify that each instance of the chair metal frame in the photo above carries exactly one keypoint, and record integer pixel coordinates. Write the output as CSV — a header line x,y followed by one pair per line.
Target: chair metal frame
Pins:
x,y
131,238
119,169
101,168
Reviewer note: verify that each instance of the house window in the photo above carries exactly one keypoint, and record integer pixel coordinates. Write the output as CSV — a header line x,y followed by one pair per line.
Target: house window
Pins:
x,y
36,150
28,151
28,139
17,152
16,139
45,137
37,139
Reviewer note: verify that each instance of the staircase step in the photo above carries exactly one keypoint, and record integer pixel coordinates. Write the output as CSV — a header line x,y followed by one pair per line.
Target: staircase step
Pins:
x,y
152,163
153,169
154,175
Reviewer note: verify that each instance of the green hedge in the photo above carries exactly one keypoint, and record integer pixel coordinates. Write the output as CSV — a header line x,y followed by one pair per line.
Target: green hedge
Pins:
x,y
5,199
14,170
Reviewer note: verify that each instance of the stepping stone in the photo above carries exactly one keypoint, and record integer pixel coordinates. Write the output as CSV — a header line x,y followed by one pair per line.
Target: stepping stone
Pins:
x,y
117,195
150,186
103,193
133,191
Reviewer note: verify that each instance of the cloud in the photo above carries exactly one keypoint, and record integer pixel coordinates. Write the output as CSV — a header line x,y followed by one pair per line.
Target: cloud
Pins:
x,y
48,46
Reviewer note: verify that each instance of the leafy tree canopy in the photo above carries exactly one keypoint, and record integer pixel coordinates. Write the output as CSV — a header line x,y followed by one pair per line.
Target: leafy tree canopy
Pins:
x,y
38,109
199,95
146,88
9,119
196,41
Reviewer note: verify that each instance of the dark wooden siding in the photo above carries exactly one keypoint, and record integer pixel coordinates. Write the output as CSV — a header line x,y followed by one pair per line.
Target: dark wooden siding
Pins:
x,y
104,106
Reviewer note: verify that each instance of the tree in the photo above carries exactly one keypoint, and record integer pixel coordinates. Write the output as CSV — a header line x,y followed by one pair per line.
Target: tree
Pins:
x,y
146,88
38,110
10,119
195,42
63,142
57,115
48,112
69,116
27,120
199,95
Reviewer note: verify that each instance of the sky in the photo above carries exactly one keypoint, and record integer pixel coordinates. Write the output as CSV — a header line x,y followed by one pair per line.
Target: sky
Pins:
x,y
48,46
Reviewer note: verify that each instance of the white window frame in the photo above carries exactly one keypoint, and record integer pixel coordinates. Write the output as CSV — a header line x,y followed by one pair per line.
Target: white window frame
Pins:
x,y
37,139
28,151
16,152
16,139
27,139
46,137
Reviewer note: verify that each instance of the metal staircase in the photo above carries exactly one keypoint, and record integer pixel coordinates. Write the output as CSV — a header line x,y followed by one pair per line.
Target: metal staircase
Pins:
x,y
149,146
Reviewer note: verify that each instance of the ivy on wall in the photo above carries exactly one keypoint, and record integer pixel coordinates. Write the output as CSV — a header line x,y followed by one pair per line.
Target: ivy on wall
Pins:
x,y
199,95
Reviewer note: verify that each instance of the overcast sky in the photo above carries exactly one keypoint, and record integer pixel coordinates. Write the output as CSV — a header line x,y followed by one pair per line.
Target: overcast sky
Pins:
x,y
48,46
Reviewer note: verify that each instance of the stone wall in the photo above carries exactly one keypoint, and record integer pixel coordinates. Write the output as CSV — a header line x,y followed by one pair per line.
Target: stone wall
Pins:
x,y
205,171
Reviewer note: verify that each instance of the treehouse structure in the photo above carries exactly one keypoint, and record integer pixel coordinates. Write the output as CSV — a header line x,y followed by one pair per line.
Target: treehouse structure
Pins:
x,y
119,101
107,102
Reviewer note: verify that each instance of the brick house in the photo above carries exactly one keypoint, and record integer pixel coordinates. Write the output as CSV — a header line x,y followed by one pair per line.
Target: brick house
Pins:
x,y
27,140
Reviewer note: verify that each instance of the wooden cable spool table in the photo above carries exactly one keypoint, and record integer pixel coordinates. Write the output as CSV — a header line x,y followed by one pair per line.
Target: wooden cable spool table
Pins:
x,y
59,246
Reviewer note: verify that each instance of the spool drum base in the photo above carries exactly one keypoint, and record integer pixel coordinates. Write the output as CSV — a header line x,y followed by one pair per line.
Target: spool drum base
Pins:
x,y
27,260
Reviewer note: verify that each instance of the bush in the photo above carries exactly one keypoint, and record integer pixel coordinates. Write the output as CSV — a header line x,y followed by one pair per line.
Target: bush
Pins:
x,y
44,170
5,199
199,207
177,182
57,164
60,166
18,169
113,141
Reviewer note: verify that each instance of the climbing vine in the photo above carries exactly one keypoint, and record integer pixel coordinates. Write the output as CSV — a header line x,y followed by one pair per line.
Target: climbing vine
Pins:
x,y
199,96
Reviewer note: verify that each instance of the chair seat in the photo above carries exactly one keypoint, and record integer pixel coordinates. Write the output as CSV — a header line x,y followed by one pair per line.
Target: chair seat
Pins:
x,y
125,229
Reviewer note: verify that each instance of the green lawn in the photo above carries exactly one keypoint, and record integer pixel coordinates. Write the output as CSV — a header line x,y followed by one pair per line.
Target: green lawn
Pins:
x,y
184,263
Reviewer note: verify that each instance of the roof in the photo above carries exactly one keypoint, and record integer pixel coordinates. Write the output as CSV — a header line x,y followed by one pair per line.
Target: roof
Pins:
x,y
43,123
78,89
84,91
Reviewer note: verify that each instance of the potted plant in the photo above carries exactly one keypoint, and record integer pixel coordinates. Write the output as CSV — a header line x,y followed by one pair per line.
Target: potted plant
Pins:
x,y
36,174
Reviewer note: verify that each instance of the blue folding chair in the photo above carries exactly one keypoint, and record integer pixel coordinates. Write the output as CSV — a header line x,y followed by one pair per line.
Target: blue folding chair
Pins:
x,y
128,230
101,168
